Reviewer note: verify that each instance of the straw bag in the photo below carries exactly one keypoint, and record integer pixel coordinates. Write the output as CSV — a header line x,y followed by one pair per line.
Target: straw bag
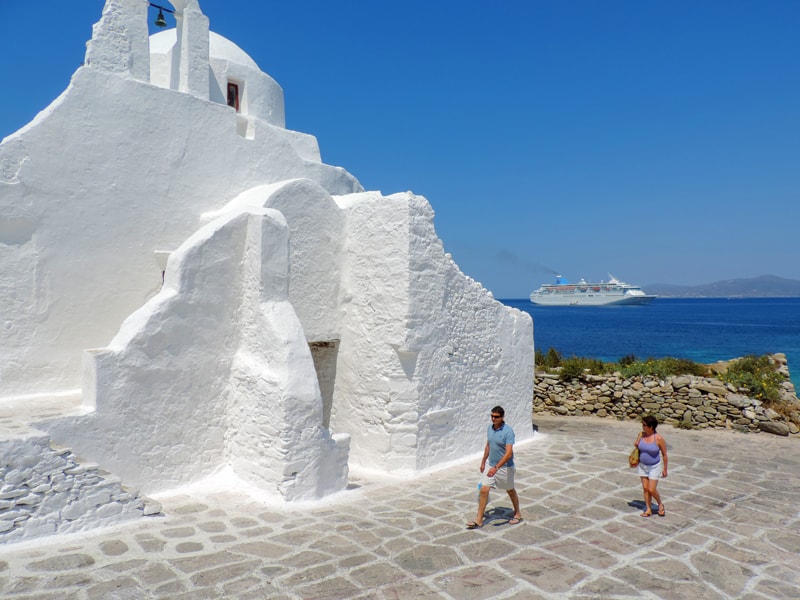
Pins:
x,y
633,459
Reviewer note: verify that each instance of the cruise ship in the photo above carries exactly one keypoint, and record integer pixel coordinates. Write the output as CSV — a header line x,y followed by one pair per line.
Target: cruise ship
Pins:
x,y
605,293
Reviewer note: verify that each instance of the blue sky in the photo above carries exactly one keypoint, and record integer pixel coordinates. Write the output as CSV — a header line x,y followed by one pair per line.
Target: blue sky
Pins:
x,y
659,141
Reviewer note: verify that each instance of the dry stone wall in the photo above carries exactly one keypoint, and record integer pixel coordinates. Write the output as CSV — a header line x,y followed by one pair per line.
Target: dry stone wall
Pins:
x,y
46,490
689,401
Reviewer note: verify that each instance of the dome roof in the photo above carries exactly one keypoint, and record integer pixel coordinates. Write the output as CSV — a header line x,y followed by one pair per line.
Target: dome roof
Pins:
x,y
219,47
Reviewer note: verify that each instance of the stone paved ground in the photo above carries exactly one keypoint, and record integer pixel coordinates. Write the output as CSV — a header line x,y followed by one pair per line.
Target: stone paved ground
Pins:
x,y
732,530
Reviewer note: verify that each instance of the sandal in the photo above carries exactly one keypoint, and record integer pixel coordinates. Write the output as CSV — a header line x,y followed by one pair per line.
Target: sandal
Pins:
x,y
646,514
474,525
662,512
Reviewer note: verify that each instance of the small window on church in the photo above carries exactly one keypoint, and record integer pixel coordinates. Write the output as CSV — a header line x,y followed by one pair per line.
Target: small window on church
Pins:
x,y
233,95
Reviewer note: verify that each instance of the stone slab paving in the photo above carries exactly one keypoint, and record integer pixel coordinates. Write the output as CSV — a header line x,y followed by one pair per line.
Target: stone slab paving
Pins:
x,y
732,530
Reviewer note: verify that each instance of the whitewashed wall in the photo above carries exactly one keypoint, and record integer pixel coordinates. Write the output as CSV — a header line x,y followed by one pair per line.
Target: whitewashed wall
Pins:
x,y
78,227
214,371
425,352
406,356
422,353
316,226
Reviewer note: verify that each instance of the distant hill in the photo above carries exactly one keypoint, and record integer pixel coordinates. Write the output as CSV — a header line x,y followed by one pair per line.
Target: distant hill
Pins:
x,y
765,286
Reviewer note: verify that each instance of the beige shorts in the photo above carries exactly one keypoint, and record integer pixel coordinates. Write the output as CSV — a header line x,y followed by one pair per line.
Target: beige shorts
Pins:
x,y
650,471
502,480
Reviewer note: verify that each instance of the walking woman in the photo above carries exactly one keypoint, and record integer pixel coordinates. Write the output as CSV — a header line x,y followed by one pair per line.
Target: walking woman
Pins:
x,y
652,463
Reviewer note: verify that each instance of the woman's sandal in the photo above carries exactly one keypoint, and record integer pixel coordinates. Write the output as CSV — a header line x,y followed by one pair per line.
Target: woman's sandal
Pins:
x,y
662,512
474,525
646,514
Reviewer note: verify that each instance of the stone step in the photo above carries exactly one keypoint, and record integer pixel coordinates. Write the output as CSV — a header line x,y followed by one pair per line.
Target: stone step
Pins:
x,y
47,489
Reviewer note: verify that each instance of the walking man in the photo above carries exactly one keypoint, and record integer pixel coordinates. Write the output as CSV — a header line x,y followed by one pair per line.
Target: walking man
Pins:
x,y
500,453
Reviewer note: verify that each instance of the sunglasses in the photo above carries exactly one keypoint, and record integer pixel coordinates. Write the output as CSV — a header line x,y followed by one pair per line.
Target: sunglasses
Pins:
x,y
496,416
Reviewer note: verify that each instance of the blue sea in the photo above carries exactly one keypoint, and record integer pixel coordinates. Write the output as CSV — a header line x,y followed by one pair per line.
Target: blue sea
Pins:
x,y
704,330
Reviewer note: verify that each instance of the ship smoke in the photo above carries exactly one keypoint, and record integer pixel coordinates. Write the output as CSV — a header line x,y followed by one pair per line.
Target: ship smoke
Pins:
x,y
508,257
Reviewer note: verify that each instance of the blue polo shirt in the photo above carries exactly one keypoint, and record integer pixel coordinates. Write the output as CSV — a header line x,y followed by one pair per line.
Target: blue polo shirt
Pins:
x,y
498,440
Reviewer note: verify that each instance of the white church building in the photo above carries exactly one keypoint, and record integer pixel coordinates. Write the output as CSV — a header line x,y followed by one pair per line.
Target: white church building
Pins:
x,y
208,295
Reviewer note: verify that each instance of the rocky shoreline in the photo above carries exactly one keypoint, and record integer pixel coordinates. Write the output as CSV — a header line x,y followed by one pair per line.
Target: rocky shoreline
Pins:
x,y
686,401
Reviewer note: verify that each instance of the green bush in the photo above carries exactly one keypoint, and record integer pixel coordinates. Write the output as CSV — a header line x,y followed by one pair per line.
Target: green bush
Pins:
x,y
538,358
571,369
662,367
757,376
551,360
683,366
575,367
642,369
754,375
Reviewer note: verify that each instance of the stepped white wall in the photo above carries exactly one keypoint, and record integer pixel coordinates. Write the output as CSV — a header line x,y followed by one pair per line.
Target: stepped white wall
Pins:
x,y
425,351
215,370
110,172
300,318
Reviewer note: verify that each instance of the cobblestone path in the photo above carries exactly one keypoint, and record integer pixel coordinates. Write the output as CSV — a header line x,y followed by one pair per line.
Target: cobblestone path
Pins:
x,y
732,530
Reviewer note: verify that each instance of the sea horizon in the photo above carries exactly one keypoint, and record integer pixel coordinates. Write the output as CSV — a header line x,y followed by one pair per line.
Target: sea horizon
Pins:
x,y
704,330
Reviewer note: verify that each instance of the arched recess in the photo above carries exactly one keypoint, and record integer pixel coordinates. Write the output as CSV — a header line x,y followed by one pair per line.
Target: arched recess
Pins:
x,y
325,354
